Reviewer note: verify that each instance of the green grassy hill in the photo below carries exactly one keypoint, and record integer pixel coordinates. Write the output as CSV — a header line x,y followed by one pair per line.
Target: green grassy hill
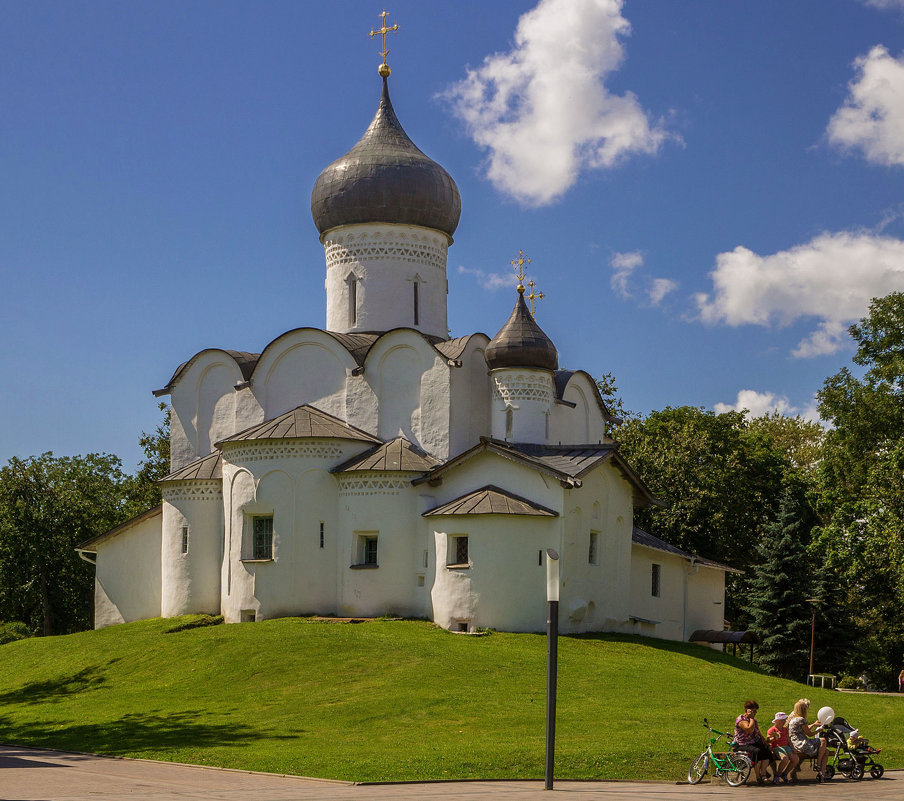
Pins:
x,y
391,700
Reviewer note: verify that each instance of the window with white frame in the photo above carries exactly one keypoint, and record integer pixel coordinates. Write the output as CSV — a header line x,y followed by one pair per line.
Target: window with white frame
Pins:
x,y
656,575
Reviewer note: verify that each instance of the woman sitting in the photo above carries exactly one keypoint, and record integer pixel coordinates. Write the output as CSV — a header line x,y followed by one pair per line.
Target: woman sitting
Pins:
x,y
801,736
749,739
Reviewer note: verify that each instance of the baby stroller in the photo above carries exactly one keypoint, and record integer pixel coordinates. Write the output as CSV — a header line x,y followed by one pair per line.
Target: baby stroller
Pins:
x,y
851,762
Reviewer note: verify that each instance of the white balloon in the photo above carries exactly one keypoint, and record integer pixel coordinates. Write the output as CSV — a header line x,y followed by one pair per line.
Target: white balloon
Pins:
x,y
825,715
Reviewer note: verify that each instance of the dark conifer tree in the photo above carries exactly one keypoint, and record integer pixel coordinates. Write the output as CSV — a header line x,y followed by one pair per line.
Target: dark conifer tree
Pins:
x,y
777,591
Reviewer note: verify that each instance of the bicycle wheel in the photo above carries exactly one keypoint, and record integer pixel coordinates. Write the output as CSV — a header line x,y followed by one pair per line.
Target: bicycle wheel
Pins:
x,y
737,769
698,768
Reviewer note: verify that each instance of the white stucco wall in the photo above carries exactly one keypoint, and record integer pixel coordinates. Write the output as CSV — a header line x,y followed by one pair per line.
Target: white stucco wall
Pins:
x,y
505,585
469,414
302,366
385,506
290,480
524,397
412,383
705,600
581,424
385,261
594,597
203,403
127,576
190,581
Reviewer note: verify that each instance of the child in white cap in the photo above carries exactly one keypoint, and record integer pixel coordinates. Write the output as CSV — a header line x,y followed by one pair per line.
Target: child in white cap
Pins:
x,y
777,737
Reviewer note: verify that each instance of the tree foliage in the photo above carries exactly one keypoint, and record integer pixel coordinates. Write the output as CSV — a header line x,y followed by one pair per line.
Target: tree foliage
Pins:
x,y
48,505
779,587
862,490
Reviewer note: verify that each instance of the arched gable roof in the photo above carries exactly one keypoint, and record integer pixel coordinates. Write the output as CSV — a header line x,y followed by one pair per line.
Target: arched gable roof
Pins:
x,y
357,345
246,362
562,379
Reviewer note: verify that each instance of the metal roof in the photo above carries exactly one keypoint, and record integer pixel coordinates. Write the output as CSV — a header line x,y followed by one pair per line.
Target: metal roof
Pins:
x,y
301,423
521,342
398,454
491,500
641,537
207,467
385,178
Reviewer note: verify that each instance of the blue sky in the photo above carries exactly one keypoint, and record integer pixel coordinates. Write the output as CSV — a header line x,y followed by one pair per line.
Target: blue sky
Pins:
x,y
709,191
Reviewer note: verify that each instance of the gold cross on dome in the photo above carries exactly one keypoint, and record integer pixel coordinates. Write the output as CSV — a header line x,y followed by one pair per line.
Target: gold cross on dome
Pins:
x,y
518,264
532,297
382,31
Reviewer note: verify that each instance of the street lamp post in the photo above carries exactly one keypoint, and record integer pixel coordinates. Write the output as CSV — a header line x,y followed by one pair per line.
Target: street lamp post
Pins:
x,y
552,656
813,603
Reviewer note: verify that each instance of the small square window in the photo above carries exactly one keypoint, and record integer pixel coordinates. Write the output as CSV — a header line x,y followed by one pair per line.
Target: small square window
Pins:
x,y
370,550
657,580
458,550
262,537
593,554
184,539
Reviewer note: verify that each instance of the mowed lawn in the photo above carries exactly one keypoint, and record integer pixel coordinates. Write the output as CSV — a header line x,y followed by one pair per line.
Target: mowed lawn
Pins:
x,y
391,700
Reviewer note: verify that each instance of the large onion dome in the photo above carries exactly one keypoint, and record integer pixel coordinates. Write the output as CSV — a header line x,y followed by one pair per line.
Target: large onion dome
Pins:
x,y
385,178
521,342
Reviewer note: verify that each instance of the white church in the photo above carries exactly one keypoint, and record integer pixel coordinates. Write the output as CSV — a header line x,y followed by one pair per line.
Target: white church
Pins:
x,y
377,467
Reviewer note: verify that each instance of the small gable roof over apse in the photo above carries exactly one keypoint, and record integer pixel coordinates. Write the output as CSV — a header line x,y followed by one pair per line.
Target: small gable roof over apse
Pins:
x,y
398,454
491,500
304,422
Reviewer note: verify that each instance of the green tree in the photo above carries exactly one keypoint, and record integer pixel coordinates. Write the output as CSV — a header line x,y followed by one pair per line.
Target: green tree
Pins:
x,y
779,586
49,505
799,440
142,489
862,498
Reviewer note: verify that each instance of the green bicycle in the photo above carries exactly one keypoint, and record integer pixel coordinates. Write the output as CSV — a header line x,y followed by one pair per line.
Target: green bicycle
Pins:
x,y
733,766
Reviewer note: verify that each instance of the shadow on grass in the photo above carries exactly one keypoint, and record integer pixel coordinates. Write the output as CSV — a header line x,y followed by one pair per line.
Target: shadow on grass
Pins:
x,y
136,734
42,692
673,646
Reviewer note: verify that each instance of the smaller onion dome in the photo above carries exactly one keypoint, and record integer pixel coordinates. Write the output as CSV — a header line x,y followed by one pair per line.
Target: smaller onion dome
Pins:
x,y
385,178
521,342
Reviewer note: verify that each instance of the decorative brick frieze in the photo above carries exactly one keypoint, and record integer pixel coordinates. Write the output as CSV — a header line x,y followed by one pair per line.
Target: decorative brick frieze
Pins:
x,y
194,490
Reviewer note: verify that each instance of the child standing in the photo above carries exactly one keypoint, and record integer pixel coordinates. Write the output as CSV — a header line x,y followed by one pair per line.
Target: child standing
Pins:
x,y
777,737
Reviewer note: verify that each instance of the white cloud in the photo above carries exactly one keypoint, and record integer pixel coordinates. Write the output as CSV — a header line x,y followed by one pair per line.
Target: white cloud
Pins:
x,y
660,288
542,109
884,4
489,281
872,117
831,279
623,264
759,403
756,403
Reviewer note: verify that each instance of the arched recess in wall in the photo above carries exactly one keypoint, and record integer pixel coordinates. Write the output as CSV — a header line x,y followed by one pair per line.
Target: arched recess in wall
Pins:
x,y
306,372
400,373
215,405
580,414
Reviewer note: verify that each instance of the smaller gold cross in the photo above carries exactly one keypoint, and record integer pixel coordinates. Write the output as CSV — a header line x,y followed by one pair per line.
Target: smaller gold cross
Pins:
x,y
532,297
382,31
518,264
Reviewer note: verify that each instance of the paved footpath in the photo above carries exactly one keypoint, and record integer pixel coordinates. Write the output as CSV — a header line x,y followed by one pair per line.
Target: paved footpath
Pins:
x,y
28,774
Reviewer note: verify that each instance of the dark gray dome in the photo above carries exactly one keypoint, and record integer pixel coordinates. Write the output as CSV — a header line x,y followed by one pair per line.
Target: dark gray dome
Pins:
x,y
385,178
521,342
